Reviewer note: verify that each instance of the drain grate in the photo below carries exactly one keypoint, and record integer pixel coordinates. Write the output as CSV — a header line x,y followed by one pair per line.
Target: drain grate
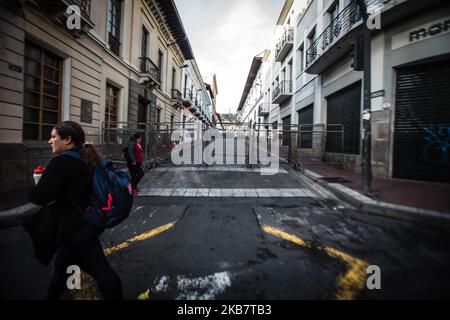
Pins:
x,y
335,179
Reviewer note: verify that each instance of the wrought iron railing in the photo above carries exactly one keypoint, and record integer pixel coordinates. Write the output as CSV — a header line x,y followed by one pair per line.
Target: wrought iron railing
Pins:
x,y
148,67
339,26
176,95
264,108
187,94
284,87
288,36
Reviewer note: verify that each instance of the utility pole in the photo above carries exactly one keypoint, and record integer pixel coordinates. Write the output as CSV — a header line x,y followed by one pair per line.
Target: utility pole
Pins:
x,y
366,173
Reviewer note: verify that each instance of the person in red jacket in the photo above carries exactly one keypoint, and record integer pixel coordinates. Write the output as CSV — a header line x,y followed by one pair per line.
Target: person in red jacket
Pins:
x,y
137,158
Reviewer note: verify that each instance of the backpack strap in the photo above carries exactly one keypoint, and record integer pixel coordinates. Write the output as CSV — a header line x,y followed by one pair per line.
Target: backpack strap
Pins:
x,y
77,155
74,154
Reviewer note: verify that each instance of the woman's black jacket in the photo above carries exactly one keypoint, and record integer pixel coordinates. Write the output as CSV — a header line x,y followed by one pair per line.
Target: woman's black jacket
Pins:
x,y
64,191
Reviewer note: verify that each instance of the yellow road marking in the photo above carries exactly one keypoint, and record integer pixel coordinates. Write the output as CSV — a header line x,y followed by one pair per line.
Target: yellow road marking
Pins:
x,y
140,237
349,284
145,295
88,289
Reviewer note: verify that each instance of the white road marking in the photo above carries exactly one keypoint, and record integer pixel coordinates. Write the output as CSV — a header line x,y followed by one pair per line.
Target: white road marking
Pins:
x,y
200,288
228,193
219,168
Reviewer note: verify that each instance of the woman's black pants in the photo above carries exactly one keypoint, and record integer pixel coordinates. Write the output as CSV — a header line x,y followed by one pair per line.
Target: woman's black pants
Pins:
x,y
136,174
90,258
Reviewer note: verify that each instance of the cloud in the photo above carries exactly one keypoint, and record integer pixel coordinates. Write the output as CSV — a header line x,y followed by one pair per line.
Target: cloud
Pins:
x,y
225,36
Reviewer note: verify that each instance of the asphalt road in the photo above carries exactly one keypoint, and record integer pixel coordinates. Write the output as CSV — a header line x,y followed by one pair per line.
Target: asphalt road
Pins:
x,y
188,243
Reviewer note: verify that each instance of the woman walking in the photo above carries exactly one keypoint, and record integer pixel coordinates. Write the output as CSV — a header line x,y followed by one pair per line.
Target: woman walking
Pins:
x,y
67,183
136,159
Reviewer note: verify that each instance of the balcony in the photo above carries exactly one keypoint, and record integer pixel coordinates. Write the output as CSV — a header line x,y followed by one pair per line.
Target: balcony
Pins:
x,y
194,106
56,10
334,43
282,92
177,97
187,97
264,109
150,71
285,45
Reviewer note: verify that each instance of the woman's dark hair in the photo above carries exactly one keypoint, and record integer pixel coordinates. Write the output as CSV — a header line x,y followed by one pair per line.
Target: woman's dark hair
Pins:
x,y
73,130
136,136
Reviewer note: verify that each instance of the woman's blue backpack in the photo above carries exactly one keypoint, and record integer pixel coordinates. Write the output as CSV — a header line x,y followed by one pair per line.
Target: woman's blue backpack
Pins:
x,y
111,198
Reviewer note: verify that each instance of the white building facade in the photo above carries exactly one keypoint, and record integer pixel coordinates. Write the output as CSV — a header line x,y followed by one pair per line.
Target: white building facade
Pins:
x,y
410,102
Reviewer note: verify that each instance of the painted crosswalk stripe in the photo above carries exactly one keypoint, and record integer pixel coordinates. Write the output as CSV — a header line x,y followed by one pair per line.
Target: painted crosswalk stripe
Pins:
x,y
229,192
222,169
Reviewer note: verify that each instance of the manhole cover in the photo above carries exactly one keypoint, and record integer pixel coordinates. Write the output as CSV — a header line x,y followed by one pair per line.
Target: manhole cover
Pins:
x,y
335,180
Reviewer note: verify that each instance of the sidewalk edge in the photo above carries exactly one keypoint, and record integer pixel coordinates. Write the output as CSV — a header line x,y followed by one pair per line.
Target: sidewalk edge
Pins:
x,y
380,208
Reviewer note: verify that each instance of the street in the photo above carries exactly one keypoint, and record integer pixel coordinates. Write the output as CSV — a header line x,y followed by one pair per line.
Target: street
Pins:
x,y
232,233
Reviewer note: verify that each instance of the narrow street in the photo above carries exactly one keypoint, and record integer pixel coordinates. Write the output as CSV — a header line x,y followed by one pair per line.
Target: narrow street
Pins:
x,y
231,233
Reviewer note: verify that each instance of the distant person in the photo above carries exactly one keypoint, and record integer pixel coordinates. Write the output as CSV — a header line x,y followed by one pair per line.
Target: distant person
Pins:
x,y
136,159
64,189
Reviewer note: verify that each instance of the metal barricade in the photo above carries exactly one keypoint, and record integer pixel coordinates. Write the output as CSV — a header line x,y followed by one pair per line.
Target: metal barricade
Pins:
x,y
117,135
297,144
320,143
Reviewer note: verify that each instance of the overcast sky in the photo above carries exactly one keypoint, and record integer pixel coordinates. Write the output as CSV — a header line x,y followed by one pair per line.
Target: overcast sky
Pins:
x,y
225,35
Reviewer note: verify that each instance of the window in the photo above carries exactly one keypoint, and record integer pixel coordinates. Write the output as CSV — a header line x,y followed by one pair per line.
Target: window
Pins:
x,y
289,66
42,86
172,119
144,48
111,104
158,118
334,25
144,43
301,56
111,107
185,85
312,51
312,36
160,63
333,12
174,77
114,16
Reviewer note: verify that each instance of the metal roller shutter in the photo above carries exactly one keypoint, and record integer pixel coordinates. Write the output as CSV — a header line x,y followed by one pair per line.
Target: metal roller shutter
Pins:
x,y
305,117
422,123
344,107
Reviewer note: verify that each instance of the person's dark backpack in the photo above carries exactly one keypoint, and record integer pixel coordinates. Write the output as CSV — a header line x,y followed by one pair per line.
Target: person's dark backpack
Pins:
x,y
111,197
126,155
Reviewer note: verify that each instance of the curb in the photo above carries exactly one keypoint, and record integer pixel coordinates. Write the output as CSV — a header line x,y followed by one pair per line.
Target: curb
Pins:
x,y
16,216
385,209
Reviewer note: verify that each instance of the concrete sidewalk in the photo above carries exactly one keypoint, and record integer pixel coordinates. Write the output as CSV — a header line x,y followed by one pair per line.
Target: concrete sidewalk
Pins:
x,y
406,199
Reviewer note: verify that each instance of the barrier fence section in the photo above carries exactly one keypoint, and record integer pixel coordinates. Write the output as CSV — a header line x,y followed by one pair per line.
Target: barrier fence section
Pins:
x,y
321,143
297,144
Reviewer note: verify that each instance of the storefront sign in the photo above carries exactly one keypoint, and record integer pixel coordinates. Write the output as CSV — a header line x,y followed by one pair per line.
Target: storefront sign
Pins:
x,y
420,33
